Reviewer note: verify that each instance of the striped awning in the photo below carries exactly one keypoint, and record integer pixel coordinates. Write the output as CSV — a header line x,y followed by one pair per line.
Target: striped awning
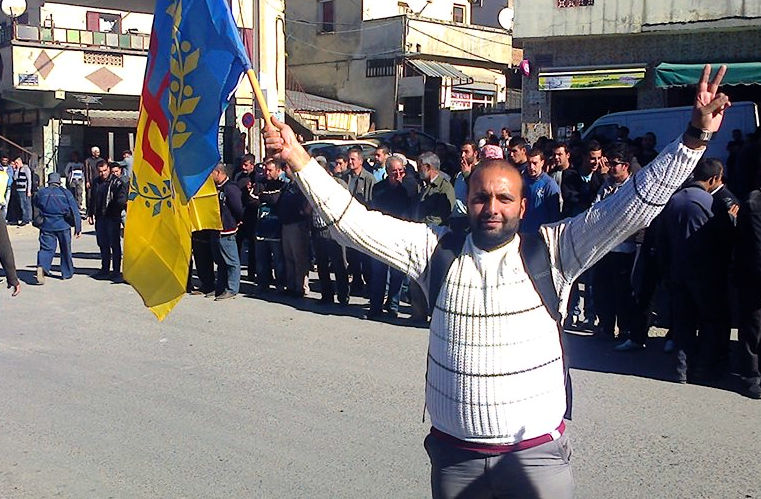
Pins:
x,y
436,69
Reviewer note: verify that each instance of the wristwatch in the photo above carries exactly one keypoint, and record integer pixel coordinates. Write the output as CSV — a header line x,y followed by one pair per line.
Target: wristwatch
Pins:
x,y
698,133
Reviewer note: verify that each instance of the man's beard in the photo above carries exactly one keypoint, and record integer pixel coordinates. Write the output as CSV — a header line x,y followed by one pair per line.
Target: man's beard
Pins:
x,y
489,239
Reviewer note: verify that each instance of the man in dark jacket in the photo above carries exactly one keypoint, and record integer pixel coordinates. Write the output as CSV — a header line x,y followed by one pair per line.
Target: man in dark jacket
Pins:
x,y
395,195
695,243
223,244
293,212
245,179
433,206
749,286
108,199
579,189
56,204
269,248
7,260
361,183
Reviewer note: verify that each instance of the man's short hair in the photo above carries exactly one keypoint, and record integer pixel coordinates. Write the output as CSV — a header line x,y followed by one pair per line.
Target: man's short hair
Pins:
x,y
100,163
395,159
248,158
384,148
272,161
618,151
113,164
534,152
593,145
518,142
558,145
126,151
430,159
342,157
220,167
707,168
471,144
355,149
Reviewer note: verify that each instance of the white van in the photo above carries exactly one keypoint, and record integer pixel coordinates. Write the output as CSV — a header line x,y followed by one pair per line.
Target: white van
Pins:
x,y
497,121
668,123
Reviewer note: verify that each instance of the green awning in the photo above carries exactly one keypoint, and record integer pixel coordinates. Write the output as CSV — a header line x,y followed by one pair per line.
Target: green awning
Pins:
x,y
681,75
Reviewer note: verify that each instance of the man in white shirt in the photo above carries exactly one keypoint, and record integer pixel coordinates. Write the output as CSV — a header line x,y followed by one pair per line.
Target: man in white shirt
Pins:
x,y
496,383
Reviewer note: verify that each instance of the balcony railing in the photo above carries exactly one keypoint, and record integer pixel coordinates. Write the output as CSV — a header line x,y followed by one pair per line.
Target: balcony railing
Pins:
x,y
74,37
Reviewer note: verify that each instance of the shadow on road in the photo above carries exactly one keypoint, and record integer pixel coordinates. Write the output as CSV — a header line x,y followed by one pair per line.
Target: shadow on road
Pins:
x,y
588,353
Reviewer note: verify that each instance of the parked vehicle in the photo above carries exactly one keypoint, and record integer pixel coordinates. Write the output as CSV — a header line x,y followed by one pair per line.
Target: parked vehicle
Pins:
x,y
496,122
399,140
668,123
332,148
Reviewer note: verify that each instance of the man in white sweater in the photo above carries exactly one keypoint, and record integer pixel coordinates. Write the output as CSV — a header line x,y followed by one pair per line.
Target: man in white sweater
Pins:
x,y
495,387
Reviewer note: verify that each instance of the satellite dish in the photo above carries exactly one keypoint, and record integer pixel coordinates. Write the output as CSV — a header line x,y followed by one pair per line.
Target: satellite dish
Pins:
x,y
14,8
506,17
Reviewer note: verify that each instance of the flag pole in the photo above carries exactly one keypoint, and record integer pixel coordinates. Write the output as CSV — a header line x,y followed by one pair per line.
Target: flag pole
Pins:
x,y
259,96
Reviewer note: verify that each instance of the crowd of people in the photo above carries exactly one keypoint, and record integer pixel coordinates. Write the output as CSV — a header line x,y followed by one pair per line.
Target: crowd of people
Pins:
x,y
271,231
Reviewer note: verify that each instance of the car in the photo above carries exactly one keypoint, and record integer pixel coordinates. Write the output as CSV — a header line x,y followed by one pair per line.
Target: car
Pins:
x,y
399,140
332,148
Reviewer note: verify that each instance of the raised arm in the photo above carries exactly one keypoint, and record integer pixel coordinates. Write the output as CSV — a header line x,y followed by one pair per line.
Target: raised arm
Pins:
x,y
404,245
577,243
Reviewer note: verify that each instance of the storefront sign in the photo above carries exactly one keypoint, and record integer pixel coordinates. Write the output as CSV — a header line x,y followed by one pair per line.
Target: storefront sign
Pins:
x,y
590,80
461,101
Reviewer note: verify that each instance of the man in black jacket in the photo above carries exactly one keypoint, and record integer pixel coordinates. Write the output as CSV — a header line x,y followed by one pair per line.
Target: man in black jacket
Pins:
x,y
223,245
246,237
749,286
108,199
696,243
395,195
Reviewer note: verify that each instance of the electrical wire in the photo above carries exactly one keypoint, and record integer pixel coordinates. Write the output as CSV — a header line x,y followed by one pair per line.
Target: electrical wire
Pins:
x,y
348,54
456,47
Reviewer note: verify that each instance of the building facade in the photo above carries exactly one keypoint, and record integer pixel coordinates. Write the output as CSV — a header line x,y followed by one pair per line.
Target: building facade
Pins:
x,y
71,75
589,58
418,64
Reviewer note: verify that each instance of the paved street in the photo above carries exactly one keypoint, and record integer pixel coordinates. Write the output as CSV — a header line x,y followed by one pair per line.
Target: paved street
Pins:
x,y
247,398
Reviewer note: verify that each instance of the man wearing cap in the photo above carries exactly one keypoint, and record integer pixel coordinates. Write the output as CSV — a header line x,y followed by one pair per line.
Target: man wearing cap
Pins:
x,y
56,205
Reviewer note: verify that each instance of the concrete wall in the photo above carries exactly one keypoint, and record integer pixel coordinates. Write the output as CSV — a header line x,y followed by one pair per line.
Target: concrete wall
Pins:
x,y
488,13
450,40
542,18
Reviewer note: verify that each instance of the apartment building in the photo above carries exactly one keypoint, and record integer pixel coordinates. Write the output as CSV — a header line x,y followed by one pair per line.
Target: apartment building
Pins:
x,y
418,64
71,74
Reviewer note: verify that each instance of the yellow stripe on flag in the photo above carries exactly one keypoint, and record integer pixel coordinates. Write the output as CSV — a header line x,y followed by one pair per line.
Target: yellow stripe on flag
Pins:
x,y
158,229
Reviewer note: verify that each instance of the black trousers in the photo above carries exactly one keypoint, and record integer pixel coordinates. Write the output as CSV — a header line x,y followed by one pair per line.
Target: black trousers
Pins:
x,y
700,319
204,260
329,255
750,331
359,269
613,292
246,235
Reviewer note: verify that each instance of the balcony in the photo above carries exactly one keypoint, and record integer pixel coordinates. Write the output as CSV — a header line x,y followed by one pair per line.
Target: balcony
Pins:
x,y
73,38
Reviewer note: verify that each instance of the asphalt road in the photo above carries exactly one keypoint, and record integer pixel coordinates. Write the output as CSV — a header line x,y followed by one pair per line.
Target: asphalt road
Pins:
x,y
249,398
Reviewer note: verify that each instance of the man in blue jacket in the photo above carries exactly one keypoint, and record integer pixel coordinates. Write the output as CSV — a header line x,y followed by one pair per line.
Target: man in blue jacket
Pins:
x,y
223,245
56,204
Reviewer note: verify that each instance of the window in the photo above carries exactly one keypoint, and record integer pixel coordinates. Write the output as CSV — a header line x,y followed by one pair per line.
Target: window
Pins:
x,y
380,67
574,3
107,23
327,19
458,14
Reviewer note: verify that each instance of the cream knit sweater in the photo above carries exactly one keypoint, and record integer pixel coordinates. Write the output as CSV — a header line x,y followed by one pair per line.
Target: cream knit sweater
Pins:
x,y
495,372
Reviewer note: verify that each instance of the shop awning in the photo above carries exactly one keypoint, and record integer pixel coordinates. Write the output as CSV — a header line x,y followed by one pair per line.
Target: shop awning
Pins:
x,y
590,78
440,70
680,75
477,88
106,118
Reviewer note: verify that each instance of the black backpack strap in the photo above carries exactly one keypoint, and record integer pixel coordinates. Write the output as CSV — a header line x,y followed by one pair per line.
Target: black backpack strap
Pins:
x,y
536,258
447,250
